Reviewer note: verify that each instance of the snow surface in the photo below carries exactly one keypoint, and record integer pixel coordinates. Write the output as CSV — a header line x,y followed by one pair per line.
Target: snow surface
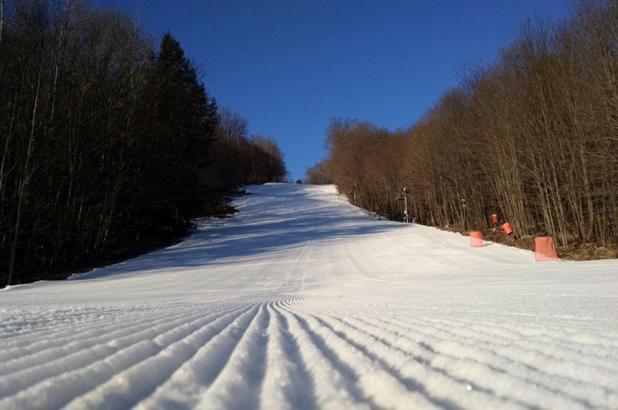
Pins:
x,y
303,301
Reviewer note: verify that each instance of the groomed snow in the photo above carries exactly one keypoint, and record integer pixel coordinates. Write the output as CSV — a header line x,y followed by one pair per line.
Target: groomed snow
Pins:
x,y
302,301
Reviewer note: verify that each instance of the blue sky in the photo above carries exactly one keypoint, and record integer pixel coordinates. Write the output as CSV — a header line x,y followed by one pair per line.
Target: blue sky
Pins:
x,y
289,66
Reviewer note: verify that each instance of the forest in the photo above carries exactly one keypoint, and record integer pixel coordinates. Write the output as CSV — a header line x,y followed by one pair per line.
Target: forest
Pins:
x,y
532,137
109,146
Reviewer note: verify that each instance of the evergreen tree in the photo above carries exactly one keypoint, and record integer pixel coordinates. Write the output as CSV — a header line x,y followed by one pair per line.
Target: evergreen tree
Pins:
x,y
178,129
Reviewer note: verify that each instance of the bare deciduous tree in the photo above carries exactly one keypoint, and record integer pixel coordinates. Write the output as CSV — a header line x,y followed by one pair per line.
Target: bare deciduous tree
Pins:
x,y
531,138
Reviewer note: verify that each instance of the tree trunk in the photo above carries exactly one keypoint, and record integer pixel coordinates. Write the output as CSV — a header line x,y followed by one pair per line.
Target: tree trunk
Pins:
x,y
25,178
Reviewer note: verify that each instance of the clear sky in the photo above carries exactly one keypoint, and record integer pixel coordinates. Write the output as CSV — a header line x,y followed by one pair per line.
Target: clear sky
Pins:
x,y
289,66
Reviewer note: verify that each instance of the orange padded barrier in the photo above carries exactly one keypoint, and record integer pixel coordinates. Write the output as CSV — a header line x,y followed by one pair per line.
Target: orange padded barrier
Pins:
x,y
476,239
544,249
506,228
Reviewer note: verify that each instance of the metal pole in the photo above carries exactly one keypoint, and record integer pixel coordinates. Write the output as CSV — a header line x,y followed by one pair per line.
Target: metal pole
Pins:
x,y
405,204
465,208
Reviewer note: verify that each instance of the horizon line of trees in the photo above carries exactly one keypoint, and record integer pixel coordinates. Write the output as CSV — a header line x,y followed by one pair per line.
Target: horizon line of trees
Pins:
x,y
533,138
107,148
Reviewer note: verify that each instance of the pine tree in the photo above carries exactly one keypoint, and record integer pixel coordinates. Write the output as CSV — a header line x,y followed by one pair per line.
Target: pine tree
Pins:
x,y
178,129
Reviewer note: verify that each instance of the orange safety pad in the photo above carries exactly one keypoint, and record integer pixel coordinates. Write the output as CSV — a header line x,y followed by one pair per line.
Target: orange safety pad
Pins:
x,y
506,228
476,239
544,249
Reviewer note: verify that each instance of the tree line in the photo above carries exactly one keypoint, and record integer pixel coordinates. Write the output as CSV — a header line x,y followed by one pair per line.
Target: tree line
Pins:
x,y
107,147
533,138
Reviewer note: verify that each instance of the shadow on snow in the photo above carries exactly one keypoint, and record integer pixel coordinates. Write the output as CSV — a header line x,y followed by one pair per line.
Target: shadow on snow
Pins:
x,y
272,218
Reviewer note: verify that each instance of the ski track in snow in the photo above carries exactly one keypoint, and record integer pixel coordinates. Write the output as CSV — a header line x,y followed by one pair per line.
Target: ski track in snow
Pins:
x,y
302,301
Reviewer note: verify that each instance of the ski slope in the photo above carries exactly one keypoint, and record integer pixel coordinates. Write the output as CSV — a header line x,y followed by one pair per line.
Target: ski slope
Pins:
x,y
302,301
